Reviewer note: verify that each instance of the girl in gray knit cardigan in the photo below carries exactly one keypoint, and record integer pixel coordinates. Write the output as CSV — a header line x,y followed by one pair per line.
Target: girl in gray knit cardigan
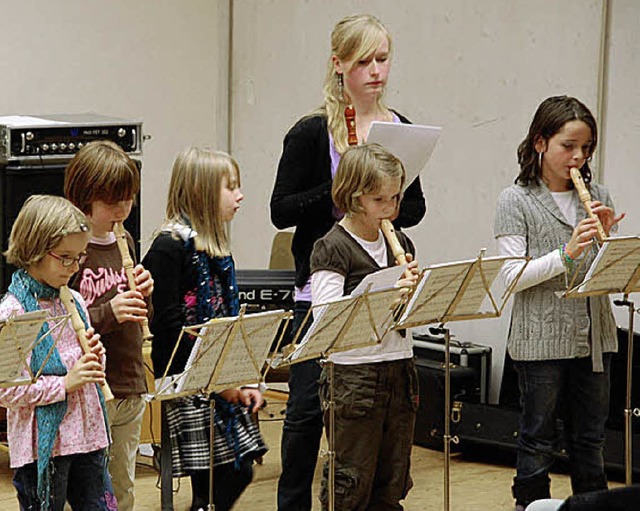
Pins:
x,y
561,348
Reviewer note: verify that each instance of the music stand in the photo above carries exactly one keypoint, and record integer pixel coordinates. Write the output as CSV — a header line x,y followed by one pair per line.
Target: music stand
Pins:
x,y
616,269
455,291
343,324
18,337
228,352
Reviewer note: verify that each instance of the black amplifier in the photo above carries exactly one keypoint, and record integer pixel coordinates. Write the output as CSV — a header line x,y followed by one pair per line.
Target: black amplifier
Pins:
x,y
32,139
266,289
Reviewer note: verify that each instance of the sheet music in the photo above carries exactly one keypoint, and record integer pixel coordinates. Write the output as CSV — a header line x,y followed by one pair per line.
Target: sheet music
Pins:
x,y
220,351
17,336
241,366
367,312
205,355
441,283
375,312
613,266
328,320
412,144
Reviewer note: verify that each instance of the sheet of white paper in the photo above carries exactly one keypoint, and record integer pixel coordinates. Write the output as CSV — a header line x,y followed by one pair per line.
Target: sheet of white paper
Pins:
x,y
413,144
382,279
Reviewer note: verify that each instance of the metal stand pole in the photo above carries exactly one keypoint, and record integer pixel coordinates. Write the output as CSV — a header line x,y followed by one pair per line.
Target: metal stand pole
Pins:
x,y
166,469
447,439
212,436
628,411
331,440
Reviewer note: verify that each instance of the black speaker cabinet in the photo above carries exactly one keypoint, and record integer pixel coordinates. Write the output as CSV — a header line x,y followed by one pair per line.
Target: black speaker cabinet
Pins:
x,y
17,182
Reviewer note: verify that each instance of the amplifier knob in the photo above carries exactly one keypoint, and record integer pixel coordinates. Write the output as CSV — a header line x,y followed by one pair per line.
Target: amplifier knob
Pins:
x,y
54,147
45,148
29,135
80,144
122,132
71,146
63,146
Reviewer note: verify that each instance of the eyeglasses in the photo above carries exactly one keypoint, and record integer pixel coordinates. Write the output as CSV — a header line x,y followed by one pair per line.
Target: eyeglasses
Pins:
x,y
68,261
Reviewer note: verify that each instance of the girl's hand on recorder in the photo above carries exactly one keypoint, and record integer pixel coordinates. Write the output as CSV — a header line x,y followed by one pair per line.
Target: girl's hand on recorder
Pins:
x,y
412,268
606,215
581,238
87,369
129,306
144,281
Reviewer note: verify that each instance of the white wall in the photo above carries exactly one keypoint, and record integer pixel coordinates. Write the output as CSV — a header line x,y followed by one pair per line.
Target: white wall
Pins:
x,y
159,61
479,69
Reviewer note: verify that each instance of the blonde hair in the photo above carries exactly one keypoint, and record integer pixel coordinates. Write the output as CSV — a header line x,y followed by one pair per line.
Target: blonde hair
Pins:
x,y
361,171
103,171
194,195
353,38
40,226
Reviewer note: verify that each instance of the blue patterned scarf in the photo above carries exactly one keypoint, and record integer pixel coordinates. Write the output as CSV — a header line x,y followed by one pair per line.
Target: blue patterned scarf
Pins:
x,y
224,268
28,291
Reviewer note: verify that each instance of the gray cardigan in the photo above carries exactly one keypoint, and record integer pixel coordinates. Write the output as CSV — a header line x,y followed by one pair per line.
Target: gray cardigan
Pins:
x,y
544,326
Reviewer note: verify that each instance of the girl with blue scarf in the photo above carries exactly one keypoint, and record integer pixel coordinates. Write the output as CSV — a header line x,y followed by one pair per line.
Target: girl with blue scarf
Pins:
x,y
57,429
194,279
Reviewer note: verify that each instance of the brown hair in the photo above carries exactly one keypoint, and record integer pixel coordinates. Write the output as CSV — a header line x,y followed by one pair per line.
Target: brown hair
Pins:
x,y
361,171
552,114
102,171
40,226
194,195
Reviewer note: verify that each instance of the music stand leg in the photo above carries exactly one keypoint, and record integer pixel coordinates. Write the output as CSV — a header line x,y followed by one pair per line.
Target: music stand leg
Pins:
x,y
628,411
447,439
212,436
166,469
331,453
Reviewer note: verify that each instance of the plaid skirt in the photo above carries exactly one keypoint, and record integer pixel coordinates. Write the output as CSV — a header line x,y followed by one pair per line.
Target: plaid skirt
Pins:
x,y
236,436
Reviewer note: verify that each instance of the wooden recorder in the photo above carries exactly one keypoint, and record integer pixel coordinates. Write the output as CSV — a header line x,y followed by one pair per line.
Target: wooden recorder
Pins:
x,y
78,325
127,263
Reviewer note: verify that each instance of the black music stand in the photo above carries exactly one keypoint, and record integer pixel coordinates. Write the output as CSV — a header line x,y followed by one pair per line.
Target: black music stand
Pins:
x,y
455,292
18,337
228,352
344,324
616,269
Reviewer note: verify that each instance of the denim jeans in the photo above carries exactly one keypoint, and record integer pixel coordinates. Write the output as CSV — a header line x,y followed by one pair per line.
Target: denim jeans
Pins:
x,y
302,429
80,479
571,391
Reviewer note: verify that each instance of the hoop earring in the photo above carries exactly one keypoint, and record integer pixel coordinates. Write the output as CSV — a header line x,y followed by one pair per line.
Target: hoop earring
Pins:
x,y
540,160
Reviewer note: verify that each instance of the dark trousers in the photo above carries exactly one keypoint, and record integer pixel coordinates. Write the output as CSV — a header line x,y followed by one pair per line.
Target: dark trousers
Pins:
x,y
302,429
375,411
228,484
80,479
570,390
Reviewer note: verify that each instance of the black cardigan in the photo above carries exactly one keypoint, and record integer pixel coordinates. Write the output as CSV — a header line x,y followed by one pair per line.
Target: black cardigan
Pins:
x,y
301,196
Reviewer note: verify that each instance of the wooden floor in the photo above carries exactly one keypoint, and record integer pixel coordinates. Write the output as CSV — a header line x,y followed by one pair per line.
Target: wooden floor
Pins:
x,y
475,484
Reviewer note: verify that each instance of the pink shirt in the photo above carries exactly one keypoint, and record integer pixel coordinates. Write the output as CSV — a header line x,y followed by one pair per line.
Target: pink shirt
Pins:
x,y
82,429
